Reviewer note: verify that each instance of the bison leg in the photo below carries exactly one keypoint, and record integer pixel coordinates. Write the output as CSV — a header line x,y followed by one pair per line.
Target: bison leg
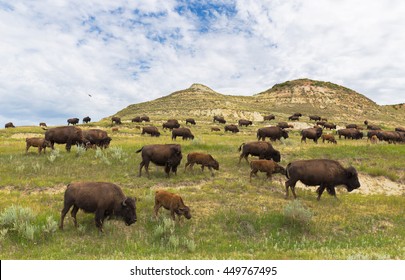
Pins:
x,y
99,219
269,175
146,165
253,172
185,166
303,139
68,146
290,184
320,190
26,148
172,214
156,209
212,171
63,214
73,214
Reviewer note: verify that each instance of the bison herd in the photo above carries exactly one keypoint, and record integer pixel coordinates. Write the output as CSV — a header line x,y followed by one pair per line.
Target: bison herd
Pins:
x,y
106,199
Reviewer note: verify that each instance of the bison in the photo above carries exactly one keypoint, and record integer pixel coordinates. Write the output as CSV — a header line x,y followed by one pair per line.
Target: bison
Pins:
x,y
215,129
352,125
86,119
313,133
103,199
172,202
329,125
171,124
203,159
69,135
137,119
374,139
183,132
325,173
41,143
190,121
151,130
42,124
269,117
273,132
264,165
293,118
351,133
373,127
264,150
390,136
9,125
219,119
284,125
243,122
73,121
167,155
328,137
97,137
314,118
116,120
232,128
145,118
400,129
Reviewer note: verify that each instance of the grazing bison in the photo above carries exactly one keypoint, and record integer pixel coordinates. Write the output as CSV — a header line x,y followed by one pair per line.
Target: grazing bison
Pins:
x,y
182,132
320,123
264,165
314,118
103,199
69,135
269,117
172,202
137,119
400,128
86,119
42,124
73,121
293,118
145,118
313,133
350,133
203,159
171,124
41,143
215,129
264,150
390,136
373,127
151,130
329,138
352,125
297,115
243,122
190,121
273,132
374,139
97,138
167,155
325,173
232,128
329,125
219,119
116,120
114,129
284,125
9,125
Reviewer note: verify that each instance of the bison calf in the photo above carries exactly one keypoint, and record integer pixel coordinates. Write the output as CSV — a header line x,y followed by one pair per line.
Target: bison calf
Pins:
x,y
328,137
264,165
41,143
172,202
103,199
203,159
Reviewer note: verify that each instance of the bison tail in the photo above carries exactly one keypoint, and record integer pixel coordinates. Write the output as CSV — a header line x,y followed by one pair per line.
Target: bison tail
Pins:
x,y
286,170
240,147
139,150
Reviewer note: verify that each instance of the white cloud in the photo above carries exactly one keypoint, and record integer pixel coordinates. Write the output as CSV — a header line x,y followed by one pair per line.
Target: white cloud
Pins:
x,y
54,53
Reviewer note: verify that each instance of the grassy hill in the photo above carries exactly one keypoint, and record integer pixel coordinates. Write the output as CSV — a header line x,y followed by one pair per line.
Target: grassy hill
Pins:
x,y
337,103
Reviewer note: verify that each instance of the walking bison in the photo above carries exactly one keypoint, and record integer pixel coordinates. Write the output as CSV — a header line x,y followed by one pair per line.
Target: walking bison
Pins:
x,y
262,149
69,135
172,202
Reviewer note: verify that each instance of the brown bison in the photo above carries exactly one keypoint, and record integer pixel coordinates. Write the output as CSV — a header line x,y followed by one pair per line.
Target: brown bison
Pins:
x,y
264,150
69,135
374,139
269,117
190,121
167,155
41,143
293,118
73,121
206,160
314,118
264,165
352,125
400,128
284,125
325,173
390,136
320,123
297,115
182,132
232,128
172,202
329,125
116,120
145,118
219,119
313,133
9,125
215,129
136,119
42,124
103,199
273,132
243,122
350,133
329,138
86,119
97,138
171,124
151,130
373,127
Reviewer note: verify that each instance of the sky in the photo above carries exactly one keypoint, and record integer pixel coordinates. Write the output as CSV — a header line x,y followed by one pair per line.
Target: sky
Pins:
x,y
61,59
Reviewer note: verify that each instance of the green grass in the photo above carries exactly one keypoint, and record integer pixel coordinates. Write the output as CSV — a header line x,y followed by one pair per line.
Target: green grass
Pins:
x,y
232,218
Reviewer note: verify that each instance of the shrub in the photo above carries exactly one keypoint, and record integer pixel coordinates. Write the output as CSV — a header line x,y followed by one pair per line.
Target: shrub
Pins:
x,y
296,214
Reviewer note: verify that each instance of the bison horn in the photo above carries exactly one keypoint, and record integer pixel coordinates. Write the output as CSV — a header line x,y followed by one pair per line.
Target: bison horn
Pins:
x,y
124,204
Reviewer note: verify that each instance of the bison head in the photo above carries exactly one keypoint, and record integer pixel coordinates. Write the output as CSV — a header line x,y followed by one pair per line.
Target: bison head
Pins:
x,y
128,211
185,211
284,134
215,164
352,179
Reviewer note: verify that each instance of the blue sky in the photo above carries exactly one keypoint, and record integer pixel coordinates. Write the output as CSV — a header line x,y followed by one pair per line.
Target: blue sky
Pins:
x,y
53,54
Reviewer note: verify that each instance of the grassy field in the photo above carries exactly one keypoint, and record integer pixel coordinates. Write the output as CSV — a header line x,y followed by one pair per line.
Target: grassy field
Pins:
x,y
232,218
